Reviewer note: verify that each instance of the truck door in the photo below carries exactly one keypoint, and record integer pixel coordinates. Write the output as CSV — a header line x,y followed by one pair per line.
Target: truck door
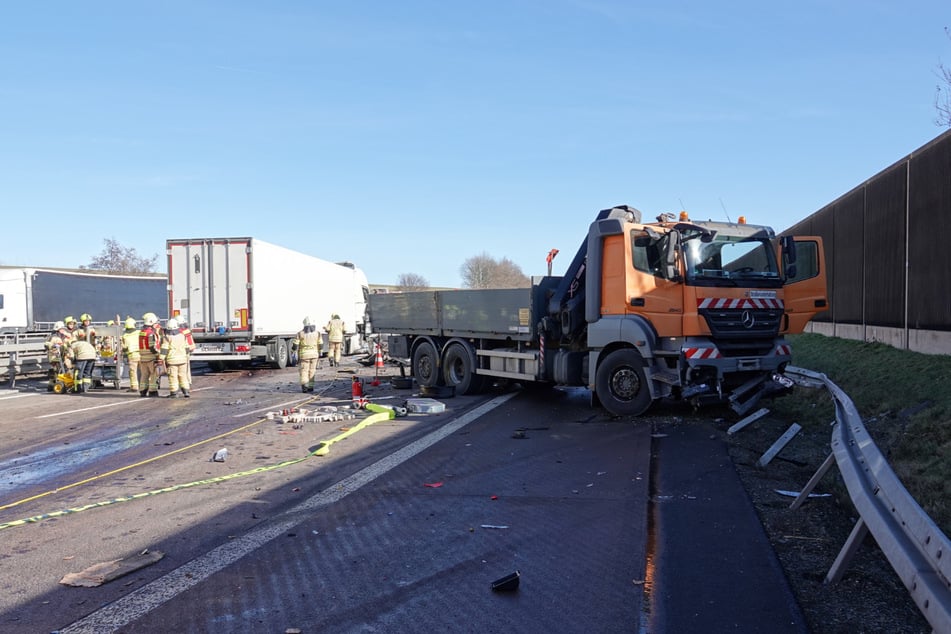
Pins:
x,y
805,291
650,290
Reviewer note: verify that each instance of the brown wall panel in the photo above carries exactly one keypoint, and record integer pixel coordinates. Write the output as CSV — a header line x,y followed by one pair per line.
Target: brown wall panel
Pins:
x,y
884,272
848,258
929,226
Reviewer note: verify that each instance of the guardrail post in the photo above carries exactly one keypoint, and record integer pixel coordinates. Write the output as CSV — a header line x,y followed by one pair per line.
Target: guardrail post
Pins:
x,y
859,531
813,481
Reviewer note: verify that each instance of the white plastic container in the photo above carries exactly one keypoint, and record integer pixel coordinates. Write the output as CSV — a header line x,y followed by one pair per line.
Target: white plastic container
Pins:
x,y
425,406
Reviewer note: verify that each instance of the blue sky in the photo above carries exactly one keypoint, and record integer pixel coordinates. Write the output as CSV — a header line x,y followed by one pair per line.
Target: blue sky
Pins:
x,y
409,136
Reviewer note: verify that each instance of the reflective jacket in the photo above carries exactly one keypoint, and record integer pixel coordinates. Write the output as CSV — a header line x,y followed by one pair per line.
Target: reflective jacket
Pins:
x,y
175,349
82,350
130,344
148,344
308,344
334,330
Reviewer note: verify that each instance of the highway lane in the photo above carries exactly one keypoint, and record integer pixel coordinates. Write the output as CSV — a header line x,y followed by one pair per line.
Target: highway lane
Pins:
x,y
394,529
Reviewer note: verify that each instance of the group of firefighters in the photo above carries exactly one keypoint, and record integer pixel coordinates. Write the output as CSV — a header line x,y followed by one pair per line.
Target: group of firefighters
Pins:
x,y
150,351
74,347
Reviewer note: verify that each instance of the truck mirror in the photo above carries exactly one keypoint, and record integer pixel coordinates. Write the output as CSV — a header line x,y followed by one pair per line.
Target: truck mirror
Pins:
x,y
670,256
788,244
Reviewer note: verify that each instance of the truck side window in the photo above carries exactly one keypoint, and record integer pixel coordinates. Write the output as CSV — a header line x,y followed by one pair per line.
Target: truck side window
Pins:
x,y
807,261
648,253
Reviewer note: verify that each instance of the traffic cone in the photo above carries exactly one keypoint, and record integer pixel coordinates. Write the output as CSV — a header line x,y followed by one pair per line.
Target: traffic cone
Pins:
x,y
379,364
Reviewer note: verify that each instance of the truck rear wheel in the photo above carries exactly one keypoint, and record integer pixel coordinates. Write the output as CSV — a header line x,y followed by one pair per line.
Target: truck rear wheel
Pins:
x,y
280,354
459,371
621,383
426,365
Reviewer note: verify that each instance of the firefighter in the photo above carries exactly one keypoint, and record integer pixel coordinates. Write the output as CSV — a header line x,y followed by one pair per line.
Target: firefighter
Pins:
x,y
174,354
71,328
190,340
57,347
130,349
148,356
307,345
334,328
83,355
85,324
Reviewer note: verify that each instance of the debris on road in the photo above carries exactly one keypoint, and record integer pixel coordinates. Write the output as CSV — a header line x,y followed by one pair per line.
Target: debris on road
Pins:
x,y
101,573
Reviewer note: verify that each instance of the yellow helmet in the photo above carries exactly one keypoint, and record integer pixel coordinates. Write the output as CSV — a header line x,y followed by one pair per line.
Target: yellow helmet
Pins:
x,y
69,320
85,317
130,324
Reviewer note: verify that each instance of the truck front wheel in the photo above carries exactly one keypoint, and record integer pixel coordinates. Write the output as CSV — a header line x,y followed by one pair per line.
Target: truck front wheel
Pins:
x,y
426,365
621,383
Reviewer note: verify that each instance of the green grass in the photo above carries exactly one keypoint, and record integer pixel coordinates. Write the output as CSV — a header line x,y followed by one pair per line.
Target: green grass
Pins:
x,y
904,399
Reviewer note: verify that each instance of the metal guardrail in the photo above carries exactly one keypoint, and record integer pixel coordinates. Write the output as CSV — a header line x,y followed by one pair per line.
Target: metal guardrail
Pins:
x,y
915,547
22,354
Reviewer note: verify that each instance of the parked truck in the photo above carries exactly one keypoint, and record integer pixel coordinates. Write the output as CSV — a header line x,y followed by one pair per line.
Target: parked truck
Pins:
x,y
245,299
676,309
33,299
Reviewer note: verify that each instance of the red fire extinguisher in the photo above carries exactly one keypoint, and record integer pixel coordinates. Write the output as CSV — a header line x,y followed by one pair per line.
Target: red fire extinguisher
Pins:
x,y
356,388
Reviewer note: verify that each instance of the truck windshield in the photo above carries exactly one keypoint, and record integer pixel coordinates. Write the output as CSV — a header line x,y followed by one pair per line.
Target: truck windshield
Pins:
x,y
727,259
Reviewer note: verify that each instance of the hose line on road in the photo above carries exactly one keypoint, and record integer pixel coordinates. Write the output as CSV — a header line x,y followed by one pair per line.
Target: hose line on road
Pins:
x,y
322,449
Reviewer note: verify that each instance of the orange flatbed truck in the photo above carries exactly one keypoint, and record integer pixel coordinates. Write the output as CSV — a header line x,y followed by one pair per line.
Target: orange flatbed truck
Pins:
x,y
672,309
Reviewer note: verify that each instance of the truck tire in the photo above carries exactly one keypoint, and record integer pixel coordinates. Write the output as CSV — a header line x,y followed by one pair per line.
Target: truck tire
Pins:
x,y
459,371
281,351
426,365
621,383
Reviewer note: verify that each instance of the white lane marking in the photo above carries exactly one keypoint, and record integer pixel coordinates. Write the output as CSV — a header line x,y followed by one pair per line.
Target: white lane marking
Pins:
x,y
138,603
87,409
18,395
129,401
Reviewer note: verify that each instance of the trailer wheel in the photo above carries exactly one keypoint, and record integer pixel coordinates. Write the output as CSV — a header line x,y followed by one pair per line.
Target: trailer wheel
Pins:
x,y
59,387
621,383
426,365
459,371
280,354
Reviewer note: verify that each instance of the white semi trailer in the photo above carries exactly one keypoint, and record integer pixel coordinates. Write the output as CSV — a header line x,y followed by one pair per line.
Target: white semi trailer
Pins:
x,y
244,299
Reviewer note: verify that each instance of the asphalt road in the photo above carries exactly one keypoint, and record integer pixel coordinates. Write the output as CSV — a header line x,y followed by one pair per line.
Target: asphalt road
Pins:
x,y
402,526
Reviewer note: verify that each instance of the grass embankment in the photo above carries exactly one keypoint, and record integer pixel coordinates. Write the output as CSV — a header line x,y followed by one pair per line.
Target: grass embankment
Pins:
x,y
904,399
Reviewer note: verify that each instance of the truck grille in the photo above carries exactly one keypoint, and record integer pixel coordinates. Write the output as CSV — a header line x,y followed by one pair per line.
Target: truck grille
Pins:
x,y
743,331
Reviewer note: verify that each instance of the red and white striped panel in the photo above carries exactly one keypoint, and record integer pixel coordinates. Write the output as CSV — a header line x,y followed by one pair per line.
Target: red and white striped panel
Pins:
x,y
702,353
783,349
741,302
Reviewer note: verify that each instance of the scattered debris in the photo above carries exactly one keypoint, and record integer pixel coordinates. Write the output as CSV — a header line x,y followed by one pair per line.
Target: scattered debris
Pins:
x,y
432,485
221,455
795,494
507,583
101,573
493,526
781,442
425,405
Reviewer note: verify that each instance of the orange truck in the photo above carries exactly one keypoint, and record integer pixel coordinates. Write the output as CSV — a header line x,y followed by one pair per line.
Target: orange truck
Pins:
x,y
672,309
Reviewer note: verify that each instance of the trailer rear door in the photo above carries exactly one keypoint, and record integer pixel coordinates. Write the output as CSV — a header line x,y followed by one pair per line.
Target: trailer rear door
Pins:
x,y
210,284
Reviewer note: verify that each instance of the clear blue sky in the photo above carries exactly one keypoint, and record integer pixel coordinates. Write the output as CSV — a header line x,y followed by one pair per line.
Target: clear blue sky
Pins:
x,y
409,136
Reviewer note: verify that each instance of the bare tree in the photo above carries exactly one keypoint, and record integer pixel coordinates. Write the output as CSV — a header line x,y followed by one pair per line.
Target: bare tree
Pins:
x,y
411,282
484,271
942,98
116,258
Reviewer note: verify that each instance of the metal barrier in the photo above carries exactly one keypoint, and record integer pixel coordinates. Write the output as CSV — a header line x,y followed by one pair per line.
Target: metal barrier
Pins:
x,y
914,546
22,354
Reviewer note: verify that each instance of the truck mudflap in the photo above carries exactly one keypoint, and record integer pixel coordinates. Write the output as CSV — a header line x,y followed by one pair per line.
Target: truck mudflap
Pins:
x,y
746,396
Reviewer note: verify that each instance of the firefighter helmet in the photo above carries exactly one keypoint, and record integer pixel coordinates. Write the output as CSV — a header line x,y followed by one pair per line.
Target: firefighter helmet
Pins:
x,y
308,321
59,326
85,317
150,319
130,324
172,324
70,319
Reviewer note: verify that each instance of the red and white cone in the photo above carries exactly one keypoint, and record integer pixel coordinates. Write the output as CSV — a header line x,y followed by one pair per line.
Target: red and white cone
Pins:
x,y
378,365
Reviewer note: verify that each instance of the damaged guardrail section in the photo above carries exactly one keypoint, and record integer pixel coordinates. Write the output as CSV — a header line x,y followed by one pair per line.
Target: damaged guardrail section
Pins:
x,y
914,546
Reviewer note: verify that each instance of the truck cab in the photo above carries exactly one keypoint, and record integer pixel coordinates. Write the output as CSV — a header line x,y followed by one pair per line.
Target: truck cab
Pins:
x,y
695,310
